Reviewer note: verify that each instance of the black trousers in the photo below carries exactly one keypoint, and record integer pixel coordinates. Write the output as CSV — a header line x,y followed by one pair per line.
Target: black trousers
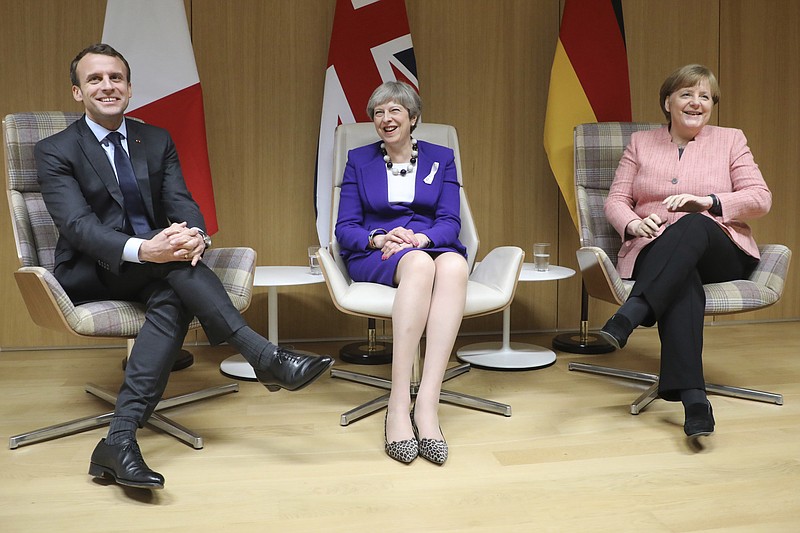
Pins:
x,y
173,294
670,273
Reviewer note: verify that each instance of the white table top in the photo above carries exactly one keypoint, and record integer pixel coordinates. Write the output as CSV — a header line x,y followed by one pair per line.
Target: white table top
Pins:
x,y
528,273
283,276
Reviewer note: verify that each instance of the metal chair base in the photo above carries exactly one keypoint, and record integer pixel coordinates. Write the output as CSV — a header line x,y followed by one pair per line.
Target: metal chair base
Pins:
x,y
451,397
651,393
156,420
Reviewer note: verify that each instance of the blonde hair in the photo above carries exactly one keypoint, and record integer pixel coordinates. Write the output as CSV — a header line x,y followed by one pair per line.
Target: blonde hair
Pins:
x,y
687,76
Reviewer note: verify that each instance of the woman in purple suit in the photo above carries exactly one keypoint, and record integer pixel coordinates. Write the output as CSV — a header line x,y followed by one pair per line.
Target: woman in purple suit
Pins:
x,y
398,225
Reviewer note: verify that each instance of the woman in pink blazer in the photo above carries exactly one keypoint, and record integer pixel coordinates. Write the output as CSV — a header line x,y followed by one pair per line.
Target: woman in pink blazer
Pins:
x,y
679,200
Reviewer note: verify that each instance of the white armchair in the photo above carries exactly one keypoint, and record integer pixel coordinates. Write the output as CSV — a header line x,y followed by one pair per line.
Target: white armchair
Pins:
x,y
490,288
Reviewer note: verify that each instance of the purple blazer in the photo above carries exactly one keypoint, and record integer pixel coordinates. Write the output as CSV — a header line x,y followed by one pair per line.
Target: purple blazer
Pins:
x,y
364,206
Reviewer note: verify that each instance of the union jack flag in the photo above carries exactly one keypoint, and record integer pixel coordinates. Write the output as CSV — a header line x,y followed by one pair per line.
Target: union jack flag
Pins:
x,y
370,44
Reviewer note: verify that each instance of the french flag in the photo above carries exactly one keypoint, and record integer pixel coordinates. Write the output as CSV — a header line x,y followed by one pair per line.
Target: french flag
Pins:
x,y
153,35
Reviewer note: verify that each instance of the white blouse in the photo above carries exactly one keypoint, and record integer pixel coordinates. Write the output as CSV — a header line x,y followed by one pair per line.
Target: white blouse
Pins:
x,y
401,188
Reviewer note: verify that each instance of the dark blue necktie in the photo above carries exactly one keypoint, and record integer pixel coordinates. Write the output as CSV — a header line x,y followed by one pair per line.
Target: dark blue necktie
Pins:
x,y
134,205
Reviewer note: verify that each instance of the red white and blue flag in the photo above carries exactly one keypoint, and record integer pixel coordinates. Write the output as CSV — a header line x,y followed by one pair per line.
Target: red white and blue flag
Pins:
x,y
153,35
370,44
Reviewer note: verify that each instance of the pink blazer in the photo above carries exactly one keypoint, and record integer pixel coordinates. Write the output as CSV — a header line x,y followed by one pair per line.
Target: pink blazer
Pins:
x,y
717,161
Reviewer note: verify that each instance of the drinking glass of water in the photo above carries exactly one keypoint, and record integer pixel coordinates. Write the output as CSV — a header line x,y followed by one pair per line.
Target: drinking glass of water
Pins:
x,y
313,260
541,256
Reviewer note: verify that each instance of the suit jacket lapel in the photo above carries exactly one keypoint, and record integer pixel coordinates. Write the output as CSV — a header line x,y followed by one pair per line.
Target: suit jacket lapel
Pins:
x,y
375,169
137,150
99,160
428,191
424,165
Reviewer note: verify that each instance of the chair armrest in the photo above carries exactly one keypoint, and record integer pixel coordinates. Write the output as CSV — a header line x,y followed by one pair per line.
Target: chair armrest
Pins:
x,y
50,307
370,300
44,297
773,267
334,278
763,288
500,269
600,276
236,268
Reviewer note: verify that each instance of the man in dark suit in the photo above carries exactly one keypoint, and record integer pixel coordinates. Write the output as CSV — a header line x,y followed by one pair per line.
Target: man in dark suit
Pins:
x,y
129,229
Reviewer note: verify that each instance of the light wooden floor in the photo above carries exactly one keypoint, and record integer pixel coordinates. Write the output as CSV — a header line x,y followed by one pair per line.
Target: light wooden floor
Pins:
x,y
570,458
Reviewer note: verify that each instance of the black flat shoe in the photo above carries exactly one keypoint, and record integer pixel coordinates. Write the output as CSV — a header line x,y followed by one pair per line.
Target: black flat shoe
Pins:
x,y
124,464
699,420
292,371
617,330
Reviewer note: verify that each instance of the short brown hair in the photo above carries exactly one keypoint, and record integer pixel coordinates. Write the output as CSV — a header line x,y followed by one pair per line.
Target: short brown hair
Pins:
x,y
687,76
97,48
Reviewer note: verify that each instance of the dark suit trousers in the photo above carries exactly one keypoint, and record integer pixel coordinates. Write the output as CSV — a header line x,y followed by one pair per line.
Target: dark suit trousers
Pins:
x,y
670,273
173,294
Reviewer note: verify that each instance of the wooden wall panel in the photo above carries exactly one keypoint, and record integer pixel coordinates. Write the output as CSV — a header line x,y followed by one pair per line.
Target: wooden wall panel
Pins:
x,y
262,66
38,40
662,36
484,67
759,77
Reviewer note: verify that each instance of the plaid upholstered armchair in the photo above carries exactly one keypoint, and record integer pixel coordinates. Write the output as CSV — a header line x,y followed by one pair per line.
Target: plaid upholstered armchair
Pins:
x,y
598,149
50,307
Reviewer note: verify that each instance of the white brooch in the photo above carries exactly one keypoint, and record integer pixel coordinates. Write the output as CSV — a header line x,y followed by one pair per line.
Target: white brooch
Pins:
x,y
429,178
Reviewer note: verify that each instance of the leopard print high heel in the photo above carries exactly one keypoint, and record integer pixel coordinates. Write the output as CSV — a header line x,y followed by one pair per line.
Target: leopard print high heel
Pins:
x,y
404,451
434,450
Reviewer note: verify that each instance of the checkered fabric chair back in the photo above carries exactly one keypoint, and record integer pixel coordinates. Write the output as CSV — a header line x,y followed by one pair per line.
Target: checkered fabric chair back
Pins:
x,y
598,149
34,231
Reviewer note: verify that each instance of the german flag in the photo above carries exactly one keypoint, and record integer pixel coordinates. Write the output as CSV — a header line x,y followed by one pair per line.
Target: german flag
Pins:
x,y
588,83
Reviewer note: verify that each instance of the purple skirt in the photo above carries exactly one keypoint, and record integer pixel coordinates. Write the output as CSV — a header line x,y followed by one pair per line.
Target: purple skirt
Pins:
x,y
370,267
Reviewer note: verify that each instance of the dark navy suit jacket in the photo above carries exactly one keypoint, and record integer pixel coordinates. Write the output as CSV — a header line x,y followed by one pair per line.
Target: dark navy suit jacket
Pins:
x,y
83,196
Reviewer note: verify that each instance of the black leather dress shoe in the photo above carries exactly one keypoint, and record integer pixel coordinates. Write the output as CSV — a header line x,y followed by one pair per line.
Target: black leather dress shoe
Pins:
x,y
617,330
292,371
699,420
124,464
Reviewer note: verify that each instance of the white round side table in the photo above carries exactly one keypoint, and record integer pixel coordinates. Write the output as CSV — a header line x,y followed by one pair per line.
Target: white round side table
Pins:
x,y
272,277
514,355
